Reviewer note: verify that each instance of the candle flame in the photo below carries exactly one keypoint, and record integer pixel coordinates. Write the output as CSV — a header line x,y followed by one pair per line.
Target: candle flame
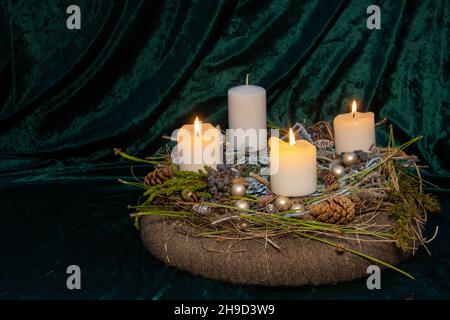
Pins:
x,y
197,126
354,108
291,137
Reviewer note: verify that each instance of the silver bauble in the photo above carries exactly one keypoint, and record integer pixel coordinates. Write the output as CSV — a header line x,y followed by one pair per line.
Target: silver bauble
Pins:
x,y
242,204
201,209
282,203
338,170
187,195
238,189
297,207
270,208
349,158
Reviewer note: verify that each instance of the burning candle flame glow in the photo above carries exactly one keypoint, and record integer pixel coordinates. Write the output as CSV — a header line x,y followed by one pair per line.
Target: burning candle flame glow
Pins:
x,y
291,137
354,108
197,126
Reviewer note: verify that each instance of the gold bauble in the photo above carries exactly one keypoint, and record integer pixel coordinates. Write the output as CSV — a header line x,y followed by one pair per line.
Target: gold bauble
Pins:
x,y
238,189
282,203
297,207
242,204
349,158
338,170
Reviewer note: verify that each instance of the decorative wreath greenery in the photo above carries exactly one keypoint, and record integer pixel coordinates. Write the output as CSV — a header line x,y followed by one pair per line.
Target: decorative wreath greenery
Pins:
x,y
382,181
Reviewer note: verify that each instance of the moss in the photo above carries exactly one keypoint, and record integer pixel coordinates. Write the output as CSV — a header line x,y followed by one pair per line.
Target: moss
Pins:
x,y
183,180
408,202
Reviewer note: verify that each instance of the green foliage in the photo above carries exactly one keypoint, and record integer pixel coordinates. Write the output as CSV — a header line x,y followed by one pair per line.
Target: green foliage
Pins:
x,y
150,160
183,180
403,210
407,202
401,195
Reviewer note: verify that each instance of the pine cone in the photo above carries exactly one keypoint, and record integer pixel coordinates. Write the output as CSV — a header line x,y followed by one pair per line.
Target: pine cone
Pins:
x,y
158,176
256,188
329,179
338,210
321,131
324,144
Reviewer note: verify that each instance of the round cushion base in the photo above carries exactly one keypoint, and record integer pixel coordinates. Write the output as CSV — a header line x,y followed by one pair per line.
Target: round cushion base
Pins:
x,y
282,261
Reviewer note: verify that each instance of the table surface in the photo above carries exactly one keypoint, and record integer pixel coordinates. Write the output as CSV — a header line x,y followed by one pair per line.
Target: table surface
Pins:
x,y
47,227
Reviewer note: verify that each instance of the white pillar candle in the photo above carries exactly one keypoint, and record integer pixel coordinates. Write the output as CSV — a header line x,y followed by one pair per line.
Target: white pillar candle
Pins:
x,y
198,144
293,167
247,117
354,130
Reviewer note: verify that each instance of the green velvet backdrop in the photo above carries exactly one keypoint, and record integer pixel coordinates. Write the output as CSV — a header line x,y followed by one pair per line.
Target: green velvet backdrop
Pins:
x,y
138,69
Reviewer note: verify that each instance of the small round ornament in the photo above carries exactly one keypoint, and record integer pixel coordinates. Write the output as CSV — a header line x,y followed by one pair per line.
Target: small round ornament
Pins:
x,y
282,203
297,207
338,170
242,204
270,208
201,209
187,195
349,158
243,226
238,189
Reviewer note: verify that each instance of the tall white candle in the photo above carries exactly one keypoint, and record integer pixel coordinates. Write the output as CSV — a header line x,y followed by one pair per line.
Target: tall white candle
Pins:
x,y
199,144
247,113
293,167
354,130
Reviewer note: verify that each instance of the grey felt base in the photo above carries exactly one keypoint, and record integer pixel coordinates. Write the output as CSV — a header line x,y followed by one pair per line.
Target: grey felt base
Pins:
x,y
298,262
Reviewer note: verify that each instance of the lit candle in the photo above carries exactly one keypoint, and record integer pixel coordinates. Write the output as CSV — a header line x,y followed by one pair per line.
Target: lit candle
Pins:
x,y
247,117
198,144
293,167
354,130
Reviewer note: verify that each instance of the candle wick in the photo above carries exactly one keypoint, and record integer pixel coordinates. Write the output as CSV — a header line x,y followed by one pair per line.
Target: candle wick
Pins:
x,y
246,79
